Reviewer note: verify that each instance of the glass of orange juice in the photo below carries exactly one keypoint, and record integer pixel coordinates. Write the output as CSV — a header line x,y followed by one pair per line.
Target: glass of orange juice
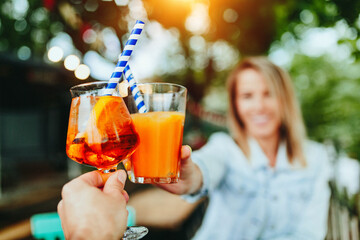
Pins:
x,y
160,129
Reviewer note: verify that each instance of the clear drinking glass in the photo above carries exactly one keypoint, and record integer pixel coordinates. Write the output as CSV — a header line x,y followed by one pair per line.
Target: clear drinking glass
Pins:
x,y
101,132
160,129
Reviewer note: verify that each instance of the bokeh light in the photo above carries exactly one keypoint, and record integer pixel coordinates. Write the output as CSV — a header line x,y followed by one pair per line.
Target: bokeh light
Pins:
x,y
121,2
71,62
199,21
82,72
91,5
306,16
24,53
197,43
55,54
230,15
20,25
39,16
137,10
64,41
224,55
89,36
16,9
112,44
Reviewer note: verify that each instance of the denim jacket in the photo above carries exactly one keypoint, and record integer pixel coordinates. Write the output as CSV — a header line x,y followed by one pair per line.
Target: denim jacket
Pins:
x,y
250,200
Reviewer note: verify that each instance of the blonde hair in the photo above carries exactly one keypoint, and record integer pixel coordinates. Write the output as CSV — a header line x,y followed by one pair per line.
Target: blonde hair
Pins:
x,y
292,130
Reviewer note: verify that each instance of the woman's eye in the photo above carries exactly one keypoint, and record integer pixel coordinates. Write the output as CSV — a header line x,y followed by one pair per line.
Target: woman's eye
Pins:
x,y
268,94
246,95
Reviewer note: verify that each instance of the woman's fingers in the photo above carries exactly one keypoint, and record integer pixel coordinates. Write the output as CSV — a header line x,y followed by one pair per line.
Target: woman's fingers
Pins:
x,y
186,172
187,166
185,152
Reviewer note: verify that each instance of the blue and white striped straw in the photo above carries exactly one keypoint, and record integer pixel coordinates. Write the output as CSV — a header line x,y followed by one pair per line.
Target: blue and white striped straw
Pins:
x,y
139,101
124,58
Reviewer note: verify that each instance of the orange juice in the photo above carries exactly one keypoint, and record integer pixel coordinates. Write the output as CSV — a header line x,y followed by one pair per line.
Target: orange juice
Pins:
x,y
157,158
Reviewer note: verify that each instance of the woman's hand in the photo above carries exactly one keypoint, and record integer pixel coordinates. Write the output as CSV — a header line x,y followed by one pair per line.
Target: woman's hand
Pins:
x,y
91,210
190,176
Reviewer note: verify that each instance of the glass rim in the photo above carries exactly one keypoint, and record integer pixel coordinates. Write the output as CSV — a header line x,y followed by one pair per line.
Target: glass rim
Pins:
x,y
98,85
182,89
79,87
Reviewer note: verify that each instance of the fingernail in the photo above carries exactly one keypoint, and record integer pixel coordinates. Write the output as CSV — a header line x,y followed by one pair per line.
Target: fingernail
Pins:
x,y
189,148
122,177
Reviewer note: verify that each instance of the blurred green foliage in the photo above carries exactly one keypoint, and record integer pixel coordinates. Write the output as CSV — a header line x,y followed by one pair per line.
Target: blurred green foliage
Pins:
x,y
30,26
330,100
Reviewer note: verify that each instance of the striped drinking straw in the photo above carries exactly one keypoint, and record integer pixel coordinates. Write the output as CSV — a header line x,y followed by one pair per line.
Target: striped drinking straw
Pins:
x,y
124,57
139,101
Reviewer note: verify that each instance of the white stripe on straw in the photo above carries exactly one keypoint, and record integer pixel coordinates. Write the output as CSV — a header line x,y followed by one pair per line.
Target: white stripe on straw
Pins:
x,y
124,58
139,101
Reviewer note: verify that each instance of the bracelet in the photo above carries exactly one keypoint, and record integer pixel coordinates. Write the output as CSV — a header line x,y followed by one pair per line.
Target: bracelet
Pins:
x,y
131,221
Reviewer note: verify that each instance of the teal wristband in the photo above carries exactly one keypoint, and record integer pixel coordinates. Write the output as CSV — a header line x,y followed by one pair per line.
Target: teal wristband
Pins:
x,y
131,217
46,226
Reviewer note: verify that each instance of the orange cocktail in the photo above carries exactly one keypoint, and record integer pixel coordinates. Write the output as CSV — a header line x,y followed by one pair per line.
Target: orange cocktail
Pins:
x,y
161,139
100,132
160,129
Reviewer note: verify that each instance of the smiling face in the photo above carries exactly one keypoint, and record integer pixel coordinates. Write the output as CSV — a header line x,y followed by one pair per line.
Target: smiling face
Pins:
x,y
258,108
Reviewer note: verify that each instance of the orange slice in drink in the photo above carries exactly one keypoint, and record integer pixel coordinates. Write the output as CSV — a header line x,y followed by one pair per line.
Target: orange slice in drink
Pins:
x,y
108,119
76,151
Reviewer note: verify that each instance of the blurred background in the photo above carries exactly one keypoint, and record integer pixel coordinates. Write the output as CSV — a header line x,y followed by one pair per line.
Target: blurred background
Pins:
x,y
47,46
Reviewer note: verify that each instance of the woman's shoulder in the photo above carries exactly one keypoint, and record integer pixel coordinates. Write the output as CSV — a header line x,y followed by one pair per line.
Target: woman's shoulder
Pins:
x,y
220,136
220,147
314,147
222,139
220,142
316,154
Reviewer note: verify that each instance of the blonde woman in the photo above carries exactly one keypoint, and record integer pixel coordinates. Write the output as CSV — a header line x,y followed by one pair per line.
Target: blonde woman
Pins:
x,y
264,180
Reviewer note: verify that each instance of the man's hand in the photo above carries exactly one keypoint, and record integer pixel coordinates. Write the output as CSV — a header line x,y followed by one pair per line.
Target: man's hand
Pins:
x,y
91,210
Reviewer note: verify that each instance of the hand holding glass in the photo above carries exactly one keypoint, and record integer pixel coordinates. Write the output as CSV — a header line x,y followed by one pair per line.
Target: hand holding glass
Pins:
x,y
100,132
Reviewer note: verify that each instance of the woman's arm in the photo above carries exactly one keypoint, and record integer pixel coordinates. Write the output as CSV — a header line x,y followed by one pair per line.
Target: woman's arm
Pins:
x,y
156,208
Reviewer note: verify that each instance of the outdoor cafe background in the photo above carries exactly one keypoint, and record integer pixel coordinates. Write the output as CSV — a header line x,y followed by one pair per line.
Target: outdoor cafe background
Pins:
x,y
47,46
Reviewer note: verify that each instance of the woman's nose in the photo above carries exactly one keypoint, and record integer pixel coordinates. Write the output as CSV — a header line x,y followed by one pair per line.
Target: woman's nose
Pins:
x,y
259,103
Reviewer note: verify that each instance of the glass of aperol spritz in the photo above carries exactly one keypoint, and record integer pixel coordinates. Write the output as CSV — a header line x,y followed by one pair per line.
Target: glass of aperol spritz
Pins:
x,y
101,132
